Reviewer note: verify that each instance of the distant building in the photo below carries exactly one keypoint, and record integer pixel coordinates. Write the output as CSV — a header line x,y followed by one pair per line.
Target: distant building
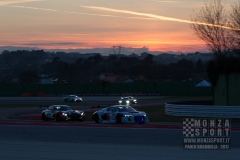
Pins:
x,y
45,79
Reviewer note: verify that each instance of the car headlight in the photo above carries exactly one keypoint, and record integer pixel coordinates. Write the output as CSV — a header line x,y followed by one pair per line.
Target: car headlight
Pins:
x,y
64,114
127,101
127,115
120,101
134,100
82,114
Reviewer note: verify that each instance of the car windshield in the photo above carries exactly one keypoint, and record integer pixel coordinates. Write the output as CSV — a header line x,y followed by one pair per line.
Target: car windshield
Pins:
x,y
62,108
126,109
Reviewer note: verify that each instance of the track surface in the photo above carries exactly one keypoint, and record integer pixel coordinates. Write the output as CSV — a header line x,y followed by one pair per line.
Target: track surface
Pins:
x,y
43,142
33,140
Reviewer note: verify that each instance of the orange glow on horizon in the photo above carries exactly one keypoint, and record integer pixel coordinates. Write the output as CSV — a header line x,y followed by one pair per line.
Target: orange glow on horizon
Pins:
x,y
154,42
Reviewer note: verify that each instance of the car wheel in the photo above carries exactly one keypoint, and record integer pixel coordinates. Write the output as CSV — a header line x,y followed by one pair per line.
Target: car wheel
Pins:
x,y
58,118
118,118
44,118
96,118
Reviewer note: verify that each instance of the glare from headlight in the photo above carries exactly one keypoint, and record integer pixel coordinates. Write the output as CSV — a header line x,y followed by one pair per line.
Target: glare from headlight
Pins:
x,y
65,114
82,113
127,101
120,101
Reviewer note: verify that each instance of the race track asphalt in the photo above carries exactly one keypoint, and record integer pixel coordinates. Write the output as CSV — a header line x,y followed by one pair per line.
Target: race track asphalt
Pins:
x,y
76,142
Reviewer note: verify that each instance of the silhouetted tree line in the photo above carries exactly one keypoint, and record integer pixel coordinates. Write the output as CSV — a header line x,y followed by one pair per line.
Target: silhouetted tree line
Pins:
x,y
221,35
222,65
26,65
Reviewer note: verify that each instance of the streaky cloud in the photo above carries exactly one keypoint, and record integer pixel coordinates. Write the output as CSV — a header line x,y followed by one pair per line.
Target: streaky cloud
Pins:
x,y
54,10
10,2
80,13
137,13
156,16
177,2
165,1
43,9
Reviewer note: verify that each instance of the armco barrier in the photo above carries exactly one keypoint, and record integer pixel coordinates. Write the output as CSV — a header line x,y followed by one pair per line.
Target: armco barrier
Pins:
x,y
202,111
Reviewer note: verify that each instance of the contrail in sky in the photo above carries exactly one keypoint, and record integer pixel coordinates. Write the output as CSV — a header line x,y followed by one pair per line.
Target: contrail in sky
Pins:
x,y
155,16
54,10
137,13
145,16
44,9
8,2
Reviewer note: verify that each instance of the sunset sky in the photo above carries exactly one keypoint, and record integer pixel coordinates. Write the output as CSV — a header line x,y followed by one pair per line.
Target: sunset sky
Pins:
x,y
159,25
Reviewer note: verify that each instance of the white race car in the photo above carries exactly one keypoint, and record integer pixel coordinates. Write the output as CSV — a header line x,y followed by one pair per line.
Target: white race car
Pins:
x,y
119,114
127,100
72,98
